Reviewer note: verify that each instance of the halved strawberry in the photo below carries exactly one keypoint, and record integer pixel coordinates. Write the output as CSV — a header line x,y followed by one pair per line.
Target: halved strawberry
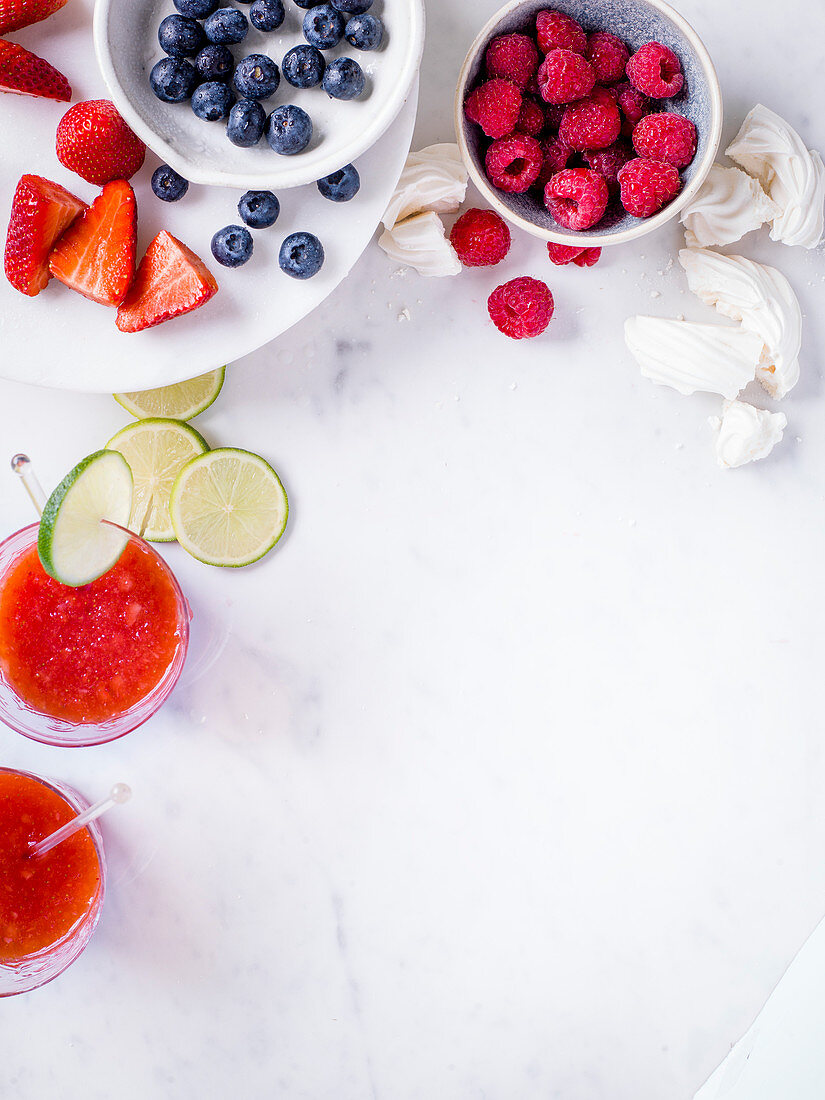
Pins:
x,y
15,14
170,280
96,255
27,74
40,212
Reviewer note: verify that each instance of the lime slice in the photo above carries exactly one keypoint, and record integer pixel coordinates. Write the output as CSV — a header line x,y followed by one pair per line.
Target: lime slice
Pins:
x,y
74,546
228,507
156,450
182,401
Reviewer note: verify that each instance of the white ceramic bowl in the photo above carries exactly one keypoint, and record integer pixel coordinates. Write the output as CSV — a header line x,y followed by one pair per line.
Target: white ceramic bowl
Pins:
x,y
125,35
636,22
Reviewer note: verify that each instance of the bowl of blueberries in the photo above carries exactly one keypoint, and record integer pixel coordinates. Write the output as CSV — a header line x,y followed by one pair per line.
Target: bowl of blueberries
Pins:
x,y
263,93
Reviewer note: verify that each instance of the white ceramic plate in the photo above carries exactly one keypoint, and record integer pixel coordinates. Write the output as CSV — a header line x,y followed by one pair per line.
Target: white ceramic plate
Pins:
x,y
127,47
60,339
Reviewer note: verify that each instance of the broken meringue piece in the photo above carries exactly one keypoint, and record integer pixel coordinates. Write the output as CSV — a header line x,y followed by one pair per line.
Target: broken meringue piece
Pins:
x,y
691,357
745,433
434,179
728,205
759,297
420,242
792,175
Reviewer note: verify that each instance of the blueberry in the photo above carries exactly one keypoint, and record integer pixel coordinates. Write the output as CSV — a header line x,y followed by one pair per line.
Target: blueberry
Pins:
x,y
266,15
214,63
232,245
259,209
179,36
304,66
257,77
344,79
323,27
301,255
225,26
308,3
246,123
342,185
172,79
212,100
196,9
288,129
168,185
352,7
365,32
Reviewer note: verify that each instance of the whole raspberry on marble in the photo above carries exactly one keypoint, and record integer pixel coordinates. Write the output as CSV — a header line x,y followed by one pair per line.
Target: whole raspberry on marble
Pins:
x,y
495,106
608,56
577,198
512,57
647,185
608,162
565,76
562,254
666,136
633,104
531,118
522,308
592,123
481,238
556,31
513,163
588,258
655,70
556,157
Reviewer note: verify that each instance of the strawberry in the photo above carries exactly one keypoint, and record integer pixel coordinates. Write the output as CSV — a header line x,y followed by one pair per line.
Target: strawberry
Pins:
x,y
15,14
40,212
170,280
27,74
94,141
96,255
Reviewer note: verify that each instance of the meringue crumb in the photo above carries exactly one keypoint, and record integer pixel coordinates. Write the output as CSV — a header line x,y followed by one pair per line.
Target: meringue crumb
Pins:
x,y
404,315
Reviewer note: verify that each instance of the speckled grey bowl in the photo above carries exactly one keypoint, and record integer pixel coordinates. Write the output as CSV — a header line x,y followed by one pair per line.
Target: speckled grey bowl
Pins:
x,y
636,22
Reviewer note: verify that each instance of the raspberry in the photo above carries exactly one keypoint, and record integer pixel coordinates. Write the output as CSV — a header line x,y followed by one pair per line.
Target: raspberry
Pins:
x,y
577,198
521,308
562,254
608,55
656,71
514,162
589,257
565,76
593,123
647,185
607,162
480,238
664,136
556,157
513,57
556,31
531,118
495,107
633,105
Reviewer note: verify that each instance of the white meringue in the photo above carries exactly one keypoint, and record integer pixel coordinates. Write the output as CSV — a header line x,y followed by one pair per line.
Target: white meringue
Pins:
x,y
762,299
434,179
793,176
420,242
691,357
728,205
746,434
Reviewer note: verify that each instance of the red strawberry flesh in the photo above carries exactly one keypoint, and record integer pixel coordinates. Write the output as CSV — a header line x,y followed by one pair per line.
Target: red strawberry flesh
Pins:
x,y
16,14
40,212
24,73
170,281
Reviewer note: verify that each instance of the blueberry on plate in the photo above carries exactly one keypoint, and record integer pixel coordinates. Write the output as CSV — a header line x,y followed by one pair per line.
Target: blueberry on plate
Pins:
x,y
344,79
303,66
266,15
212,101
289,129
179,36
232,245
168,185
352,7
259,209
172,79
257,77
342,185
196,9
214,63
323,27
301,255
364,32
247,119
226,26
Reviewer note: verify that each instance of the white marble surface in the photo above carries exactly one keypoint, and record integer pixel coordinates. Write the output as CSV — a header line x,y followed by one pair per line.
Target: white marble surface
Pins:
x,y
502,778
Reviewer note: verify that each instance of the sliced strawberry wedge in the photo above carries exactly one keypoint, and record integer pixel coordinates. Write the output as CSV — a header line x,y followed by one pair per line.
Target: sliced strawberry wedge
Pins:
x,y
96,255
170,280
40,212
15,14
27,74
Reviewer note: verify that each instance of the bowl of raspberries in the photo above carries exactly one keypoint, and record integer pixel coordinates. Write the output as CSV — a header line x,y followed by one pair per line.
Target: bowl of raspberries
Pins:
x,y
588,122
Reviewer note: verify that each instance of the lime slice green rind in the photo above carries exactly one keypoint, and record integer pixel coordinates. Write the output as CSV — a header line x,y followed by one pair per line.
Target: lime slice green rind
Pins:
x,y
74,546
182,401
